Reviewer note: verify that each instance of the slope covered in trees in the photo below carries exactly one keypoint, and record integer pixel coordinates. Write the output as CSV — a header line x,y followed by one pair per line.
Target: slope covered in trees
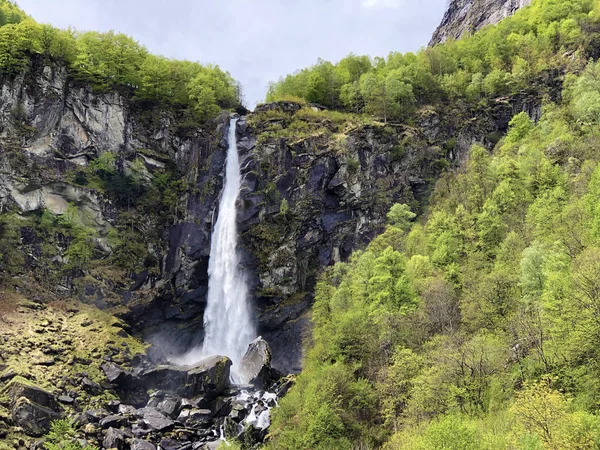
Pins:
x,y
475,327
110,60
549,36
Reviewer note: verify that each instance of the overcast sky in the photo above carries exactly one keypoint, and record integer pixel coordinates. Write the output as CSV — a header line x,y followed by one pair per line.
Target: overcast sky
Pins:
x,y
257,41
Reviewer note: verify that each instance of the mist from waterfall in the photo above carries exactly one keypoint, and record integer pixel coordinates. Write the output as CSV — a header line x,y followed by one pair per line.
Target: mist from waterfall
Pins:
x,y
228,323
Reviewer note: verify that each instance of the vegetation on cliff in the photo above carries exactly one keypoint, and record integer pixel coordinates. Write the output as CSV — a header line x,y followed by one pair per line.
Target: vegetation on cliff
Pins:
x,y
476,326
550,36
110,60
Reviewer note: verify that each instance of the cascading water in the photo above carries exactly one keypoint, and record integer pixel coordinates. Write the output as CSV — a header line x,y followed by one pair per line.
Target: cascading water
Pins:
x,y
228,323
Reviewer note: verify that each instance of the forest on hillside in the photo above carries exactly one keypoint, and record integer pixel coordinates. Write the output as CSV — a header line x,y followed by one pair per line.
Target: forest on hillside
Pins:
x,y
476,325
112,61
501,60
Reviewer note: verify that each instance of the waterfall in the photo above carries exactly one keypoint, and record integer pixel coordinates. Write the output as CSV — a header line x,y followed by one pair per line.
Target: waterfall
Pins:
x,y
227,320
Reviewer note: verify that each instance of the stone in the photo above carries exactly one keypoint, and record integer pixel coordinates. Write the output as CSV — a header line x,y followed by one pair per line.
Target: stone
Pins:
x,y
17,389
66,400
285,386
126,409
32,417
195,418
113,406
255,367
172,444
140,444
209,377
238,412
90,429
114,439
170,407
113,372
114,421
95,415
154,420
90,386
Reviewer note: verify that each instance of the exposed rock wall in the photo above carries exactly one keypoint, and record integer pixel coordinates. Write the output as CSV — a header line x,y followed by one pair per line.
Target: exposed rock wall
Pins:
x,y
308,200
467,16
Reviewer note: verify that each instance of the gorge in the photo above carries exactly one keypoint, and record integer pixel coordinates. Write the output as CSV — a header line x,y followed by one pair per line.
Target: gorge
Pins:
x,y
415,238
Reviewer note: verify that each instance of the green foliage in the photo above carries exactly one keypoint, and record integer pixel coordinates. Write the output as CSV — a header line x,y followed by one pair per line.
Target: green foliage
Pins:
x,y
475,328
112,60
62,436
400,216
496,61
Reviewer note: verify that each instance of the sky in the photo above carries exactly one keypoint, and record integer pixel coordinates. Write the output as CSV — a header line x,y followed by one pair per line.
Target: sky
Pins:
x,y
257,41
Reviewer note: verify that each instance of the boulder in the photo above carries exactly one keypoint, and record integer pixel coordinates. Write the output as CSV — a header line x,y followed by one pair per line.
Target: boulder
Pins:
x,y
195,418
170,407
95,415
255,367
114,373
114,439
153,419
140,444
114,421
32,417
17,389
210,377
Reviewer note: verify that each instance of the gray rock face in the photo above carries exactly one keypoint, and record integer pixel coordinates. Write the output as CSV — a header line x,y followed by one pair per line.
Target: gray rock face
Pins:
x,y
467,16
32,417
336,198
255,367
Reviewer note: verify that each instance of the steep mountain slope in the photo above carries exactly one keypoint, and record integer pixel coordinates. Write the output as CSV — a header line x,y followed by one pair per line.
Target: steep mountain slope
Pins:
x,y
467,16
470,328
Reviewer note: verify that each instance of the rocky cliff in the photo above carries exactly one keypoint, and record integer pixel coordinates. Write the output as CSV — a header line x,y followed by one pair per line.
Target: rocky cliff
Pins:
x,y
112,202
467,16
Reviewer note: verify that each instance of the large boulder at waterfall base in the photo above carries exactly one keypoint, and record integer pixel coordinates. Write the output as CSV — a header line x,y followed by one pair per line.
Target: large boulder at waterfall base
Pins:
x,y
256,364
209,377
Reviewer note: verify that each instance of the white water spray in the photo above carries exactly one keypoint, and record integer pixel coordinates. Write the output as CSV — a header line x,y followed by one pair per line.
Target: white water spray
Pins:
x,y
227,320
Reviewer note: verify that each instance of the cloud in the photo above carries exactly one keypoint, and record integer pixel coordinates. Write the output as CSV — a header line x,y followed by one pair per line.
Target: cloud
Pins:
x,y
382,3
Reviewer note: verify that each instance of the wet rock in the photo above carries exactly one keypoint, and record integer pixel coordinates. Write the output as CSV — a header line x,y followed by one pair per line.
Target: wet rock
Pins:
x,y
114,439
285,385
255,367
32,417
238,412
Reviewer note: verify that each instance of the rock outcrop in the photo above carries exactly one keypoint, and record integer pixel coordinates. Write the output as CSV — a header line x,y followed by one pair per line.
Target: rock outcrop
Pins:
x,y
465,17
